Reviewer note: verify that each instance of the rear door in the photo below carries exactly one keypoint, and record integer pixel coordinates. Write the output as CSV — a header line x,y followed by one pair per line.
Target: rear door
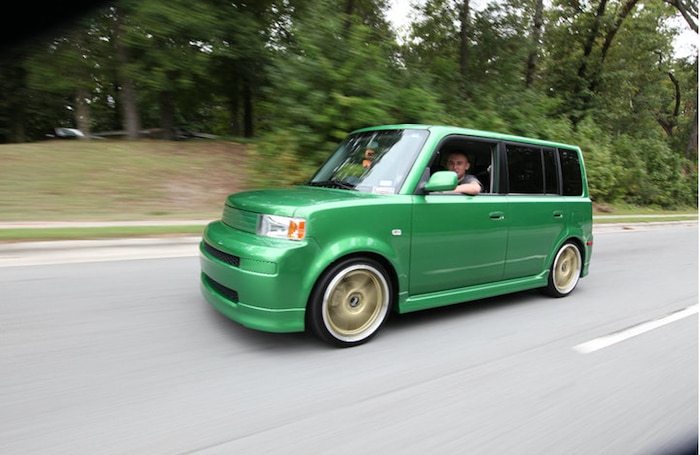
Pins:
x,y
538,214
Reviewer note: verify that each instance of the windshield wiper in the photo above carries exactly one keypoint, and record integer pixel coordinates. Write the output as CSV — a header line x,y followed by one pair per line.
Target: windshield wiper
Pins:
x,y
333,183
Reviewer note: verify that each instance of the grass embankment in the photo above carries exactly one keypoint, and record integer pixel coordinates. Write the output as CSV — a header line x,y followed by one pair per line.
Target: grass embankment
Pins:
x,y
624,213
113,180
118,180
77,233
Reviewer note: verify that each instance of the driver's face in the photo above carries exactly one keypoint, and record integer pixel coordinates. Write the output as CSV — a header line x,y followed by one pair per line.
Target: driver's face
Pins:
x,y
458,163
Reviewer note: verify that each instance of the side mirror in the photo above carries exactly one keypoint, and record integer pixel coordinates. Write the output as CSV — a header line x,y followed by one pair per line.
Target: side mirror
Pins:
x,y
441,181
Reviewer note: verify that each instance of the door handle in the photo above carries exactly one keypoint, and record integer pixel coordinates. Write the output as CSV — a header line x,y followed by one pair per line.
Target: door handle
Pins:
x,y
558,214
496,215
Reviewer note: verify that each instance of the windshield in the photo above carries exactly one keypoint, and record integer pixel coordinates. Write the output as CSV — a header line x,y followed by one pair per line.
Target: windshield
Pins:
x,y
372,161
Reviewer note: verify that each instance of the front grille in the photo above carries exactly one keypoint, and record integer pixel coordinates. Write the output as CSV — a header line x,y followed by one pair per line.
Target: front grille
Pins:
x,y
222,290
229,259
240,219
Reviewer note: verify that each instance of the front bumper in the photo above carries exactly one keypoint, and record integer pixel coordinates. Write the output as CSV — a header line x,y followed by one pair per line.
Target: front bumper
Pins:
x,y
265,319
257,282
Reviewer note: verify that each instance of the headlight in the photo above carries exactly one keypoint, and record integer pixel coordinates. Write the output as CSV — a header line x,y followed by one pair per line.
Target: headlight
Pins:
x,y
281,227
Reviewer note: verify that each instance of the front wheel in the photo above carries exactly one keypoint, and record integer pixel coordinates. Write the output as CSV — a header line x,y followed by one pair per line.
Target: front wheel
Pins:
x,y
350,302
565,271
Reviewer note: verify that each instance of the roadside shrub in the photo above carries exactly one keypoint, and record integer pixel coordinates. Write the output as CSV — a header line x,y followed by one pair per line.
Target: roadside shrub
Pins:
x,y
605,174
287,157
654,175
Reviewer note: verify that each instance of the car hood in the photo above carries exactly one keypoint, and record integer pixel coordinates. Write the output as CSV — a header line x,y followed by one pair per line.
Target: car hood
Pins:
x,y
287,201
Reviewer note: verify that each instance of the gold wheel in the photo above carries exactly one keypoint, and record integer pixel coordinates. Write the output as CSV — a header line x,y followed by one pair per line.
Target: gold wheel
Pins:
x,y
355,303
567,269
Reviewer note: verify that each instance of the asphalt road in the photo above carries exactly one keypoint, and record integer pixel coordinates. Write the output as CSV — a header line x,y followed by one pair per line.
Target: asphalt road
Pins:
x,y
125,357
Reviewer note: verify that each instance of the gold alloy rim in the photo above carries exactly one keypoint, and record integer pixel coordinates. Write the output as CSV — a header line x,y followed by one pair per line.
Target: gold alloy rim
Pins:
x,y
355,302
567,269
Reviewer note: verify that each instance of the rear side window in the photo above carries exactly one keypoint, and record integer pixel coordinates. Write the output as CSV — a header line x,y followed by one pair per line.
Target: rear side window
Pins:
x,y
571,171
535,170
532,170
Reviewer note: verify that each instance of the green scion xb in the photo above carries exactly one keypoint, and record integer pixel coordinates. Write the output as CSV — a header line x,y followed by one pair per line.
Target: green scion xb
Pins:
x,y
380,229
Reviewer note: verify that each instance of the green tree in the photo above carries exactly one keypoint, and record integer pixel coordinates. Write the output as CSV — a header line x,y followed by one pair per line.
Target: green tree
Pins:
x,y
331,78
14,94
123,70
243,35
535,43
168,44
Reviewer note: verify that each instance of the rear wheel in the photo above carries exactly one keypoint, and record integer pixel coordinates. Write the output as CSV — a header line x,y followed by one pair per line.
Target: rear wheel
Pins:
x,y
565,271
350,302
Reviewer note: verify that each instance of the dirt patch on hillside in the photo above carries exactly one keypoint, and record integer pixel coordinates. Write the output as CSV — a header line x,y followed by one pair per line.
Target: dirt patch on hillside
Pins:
x,y
215,170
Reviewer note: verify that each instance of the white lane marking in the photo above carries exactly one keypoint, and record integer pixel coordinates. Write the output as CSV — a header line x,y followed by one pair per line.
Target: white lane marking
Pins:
x,y
617,337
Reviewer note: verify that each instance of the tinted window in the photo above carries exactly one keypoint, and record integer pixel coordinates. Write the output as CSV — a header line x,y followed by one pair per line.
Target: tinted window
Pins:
x,y
525,169
571,171
551,184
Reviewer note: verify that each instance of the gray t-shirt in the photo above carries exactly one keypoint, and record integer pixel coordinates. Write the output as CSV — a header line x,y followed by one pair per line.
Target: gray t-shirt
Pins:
x,y
468,178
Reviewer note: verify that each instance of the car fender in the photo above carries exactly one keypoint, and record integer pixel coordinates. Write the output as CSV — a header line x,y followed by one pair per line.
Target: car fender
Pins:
x,y
357,246
575,234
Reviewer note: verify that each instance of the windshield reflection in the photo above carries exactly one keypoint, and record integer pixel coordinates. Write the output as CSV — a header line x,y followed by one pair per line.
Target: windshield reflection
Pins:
x,y
372,161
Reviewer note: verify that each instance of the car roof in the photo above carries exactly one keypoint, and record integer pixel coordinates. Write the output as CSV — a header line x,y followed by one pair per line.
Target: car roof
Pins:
x,y
444,130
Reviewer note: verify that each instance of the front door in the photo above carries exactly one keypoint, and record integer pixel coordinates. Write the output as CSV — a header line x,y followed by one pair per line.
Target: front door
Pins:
x,y
457,241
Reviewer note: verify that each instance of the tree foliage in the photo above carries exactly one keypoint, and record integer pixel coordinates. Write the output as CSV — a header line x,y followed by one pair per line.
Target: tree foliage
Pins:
x,y
297,75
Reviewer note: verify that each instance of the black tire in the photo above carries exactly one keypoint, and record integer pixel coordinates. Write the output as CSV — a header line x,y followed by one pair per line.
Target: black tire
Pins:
x,y
565,271
350,302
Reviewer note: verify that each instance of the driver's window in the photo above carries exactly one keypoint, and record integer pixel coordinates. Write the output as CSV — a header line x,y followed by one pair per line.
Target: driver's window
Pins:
x,y
479,155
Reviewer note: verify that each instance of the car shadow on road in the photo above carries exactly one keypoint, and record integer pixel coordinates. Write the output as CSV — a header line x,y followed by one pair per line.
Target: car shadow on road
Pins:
x,y
238,335
235,333
465,309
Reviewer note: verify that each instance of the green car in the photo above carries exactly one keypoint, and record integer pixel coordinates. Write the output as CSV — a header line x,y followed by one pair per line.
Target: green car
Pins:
x,y
401,218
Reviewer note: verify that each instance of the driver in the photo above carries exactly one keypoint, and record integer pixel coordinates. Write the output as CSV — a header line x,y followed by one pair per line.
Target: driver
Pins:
x,y
466,183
